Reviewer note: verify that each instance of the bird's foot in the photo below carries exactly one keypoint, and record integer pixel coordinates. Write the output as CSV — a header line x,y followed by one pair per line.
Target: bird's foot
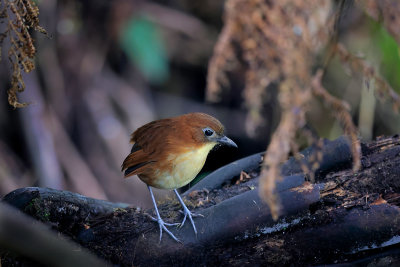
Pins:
x,y
187,213
167,224
194,215
163,225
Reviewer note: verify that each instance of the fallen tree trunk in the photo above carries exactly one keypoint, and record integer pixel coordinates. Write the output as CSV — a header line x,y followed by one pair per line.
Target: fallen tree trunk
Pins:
x,y
20,234
343,216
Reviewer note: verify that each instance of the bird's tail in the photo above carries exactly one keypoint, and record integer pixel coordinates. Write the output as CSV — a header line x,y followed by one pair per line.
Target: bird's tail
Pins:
x,y
135,163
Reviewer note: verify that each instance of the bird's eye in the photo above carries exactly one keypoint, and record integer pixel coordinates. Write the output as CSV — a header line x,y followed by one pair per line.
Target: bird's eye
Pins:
x,y
208,132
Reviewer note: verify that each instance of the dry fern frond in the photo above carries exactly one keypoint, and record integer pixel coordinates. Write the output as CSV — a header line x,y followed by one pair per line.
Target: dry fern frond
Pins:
x,y
341,111
357,64
21,16
386,11
275,48
276,42
310,165
223,54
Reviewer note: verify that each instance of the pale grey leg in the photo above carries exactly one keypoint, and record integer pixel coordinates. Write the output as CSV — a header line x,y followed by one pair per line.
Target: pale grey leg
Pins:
x,y
160,221
186,212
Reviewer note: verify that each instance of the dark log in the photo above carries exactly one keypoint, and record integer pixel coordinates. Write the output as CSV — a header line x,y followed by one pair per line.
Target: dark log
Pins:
x,y
23,235
336,155
342,217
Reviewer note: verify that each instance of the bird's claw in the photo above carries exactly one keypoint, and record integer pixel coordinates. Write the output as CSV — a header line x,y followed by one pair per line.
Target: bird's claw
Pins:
x,y
167,224
186,212
193,214
162,226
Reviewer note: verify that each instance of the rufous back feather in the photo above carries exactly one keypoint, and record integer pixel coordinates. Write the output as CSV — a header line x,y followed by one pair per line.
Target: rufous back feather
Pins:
x,y
154,142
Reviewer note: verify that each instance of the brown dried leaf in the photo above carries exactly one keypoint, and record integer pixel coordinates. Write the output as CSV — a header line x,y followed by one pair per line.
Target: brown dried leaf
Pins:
x,y
22,50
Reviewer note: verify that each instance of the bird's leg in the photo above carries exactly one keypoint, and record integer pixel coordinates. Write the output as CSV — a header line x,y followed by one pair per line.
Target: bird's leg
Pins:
x,y
187,212
160,221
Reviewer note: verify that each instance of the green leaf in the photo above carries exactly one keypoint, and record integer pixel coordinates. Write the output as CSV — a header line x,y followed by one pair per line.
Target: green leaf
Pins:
x,y
390,62
141,40
199,177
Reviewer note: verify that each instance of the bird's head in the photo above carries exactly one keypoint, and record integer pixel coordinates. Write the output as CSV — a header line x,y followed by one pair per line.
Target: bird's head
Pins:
x,y
207,129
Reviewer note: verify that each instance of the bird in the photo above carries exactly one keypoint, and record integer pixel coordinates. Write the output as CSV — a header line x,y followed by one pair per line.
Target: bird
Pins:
x,y
169,153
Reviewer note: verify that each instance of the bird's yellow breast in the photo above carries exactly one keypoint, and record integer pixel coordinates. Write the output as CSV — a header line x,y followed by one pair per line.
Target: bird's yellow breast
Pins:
x,y
183,167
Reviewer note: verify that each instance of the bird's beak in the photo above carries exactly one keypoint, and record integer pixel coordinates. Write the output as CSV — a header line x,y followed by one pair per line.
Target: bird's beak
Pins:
x,y
226,141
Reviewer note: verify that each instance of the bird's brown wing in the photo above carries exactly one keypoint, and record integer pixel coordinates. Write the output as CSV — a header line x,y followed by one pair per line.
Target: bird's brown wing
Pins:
x,y
153,142
136,161
148,142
